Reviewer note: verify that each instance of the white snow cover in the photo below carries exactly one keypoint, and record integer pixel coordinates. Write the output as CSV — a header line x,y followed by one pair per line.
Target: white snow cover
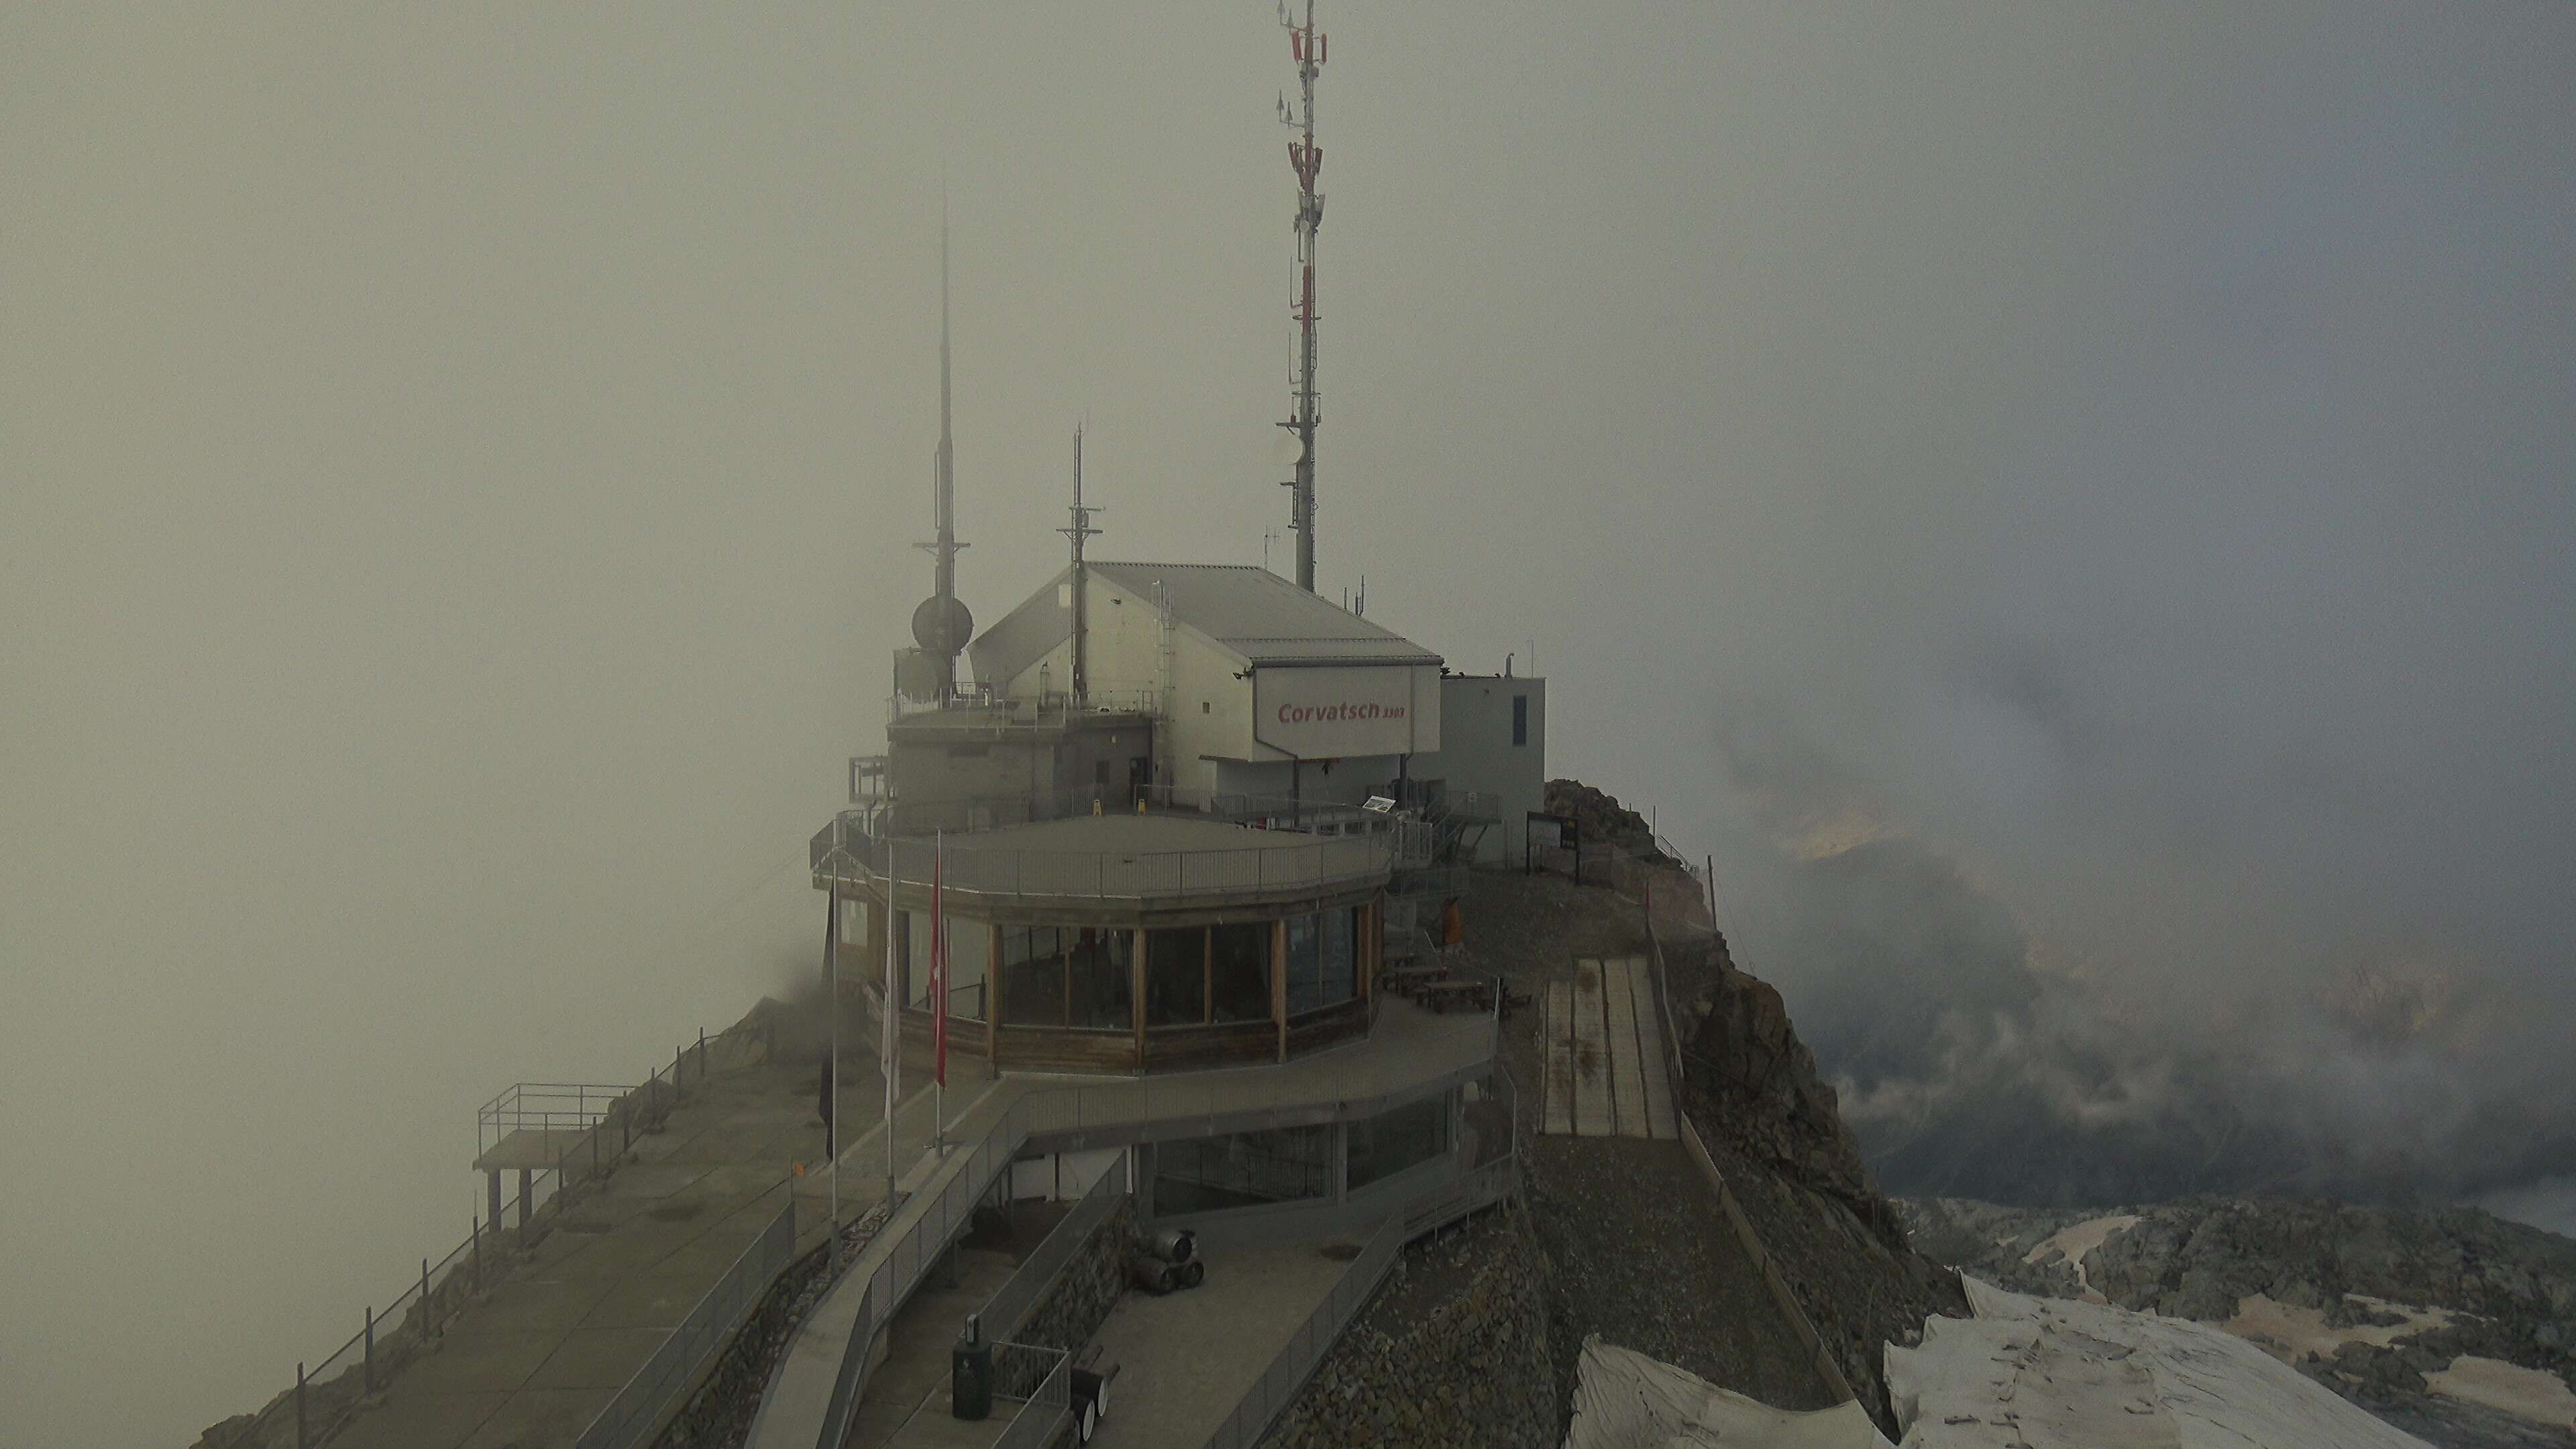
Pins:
x,y
2066,1375
1625,1400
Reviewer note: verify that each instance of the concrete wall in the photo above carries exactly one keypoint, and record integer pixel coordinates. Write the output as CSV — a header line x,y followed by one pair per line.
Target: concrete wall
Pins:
x,y
1125,638
1477,754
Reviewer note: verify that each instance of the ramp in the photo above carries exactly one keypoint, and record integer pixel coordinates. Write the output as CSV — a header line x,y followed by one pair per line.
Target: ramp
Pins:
x,y
1605,1054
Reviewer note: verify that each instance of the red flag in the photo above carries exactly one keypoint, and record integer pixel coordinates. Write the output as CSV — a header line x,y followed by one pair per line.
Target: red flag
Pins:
x,y
938,972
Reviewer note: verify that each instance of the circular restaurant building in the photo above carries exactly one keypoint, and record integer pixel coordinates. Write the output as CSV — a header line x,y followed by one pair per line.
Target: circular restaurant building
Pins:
x,y
1120,942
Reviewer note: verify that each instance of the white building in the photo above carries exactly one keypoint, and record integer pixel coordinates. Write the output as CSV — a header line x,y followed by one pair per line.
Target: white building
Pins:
x,y
1259,687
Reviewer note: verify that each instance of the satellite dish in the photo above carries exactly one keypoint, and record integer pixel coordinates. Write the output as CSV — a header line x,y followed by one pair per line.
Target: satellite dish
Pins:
x,y
942,624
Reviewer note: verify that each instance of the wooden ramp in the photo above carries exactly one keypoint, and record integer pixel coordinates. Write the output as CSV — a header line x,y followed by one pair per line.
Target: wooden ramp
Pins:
x,y
1605,1054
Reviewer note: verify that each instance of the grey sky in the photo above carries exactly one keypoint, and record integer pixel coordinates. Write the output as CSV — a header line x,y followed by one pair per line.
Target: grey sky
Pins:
x,y
461,465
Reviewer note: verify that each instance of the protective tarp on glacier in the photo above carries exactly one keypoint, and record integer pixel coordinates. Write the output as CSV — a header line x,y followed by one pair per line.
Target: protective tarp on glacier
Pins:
x,y
1625,1400
2056,1374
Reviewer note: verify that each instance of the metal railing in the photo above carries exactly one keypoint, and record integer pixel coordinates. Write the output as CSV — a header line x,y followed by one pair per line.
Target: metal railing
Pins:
x,y
543,1107
1104,875
1004,1313
1071,1119
327,1396
962,813
1052,707
1046,1401
701,1336
1297,1360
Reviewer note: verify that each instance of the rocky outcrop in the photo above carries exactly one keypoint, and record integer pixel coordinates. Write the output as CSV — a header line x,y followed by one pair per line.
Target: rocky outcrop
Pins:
x,y
1765,1098
1773,1129
1603,820
1468,1367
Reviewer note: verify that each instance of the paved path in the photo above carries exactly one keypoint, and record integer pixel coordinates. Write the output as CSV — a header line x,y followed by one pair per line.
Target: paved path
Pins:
x,y
1407,1047
537,1356
1187,1359
1605,1070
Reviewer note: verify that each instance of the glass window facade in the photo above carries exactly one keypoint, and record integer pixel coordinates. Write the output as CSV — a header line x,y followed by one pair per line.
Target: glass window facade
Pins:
x,y
969,951
1240,972
1386,1144
1323,965
1176,972
1072,976
1247,1169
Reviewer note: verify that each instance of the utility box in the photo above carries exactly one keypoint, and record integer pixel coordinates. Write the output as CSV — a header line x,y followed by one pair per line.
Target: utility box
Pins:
x,y
970,1375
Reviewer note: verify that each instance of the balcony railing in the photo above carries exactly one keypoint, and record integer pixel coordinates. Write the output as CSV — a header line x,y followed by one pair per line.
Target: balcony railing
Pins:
x,y
845,853
959,815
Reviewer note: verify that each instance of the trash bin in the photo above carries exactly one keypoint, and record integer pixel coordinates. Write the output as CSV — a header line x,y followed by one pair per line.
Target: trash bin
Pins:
x,y
970,1375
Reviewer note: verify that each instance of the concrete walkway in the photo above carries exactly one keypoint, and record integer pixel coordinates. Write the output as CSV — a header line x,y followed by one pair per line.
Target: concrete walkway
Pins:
x,y
1408,1047
1605,1054
535,1358
1187,1359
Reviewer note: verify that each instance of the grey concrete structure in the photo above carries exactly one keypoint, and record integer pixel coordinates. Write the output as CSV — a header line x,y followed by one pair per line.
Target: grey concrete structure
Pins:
x,y
1492,760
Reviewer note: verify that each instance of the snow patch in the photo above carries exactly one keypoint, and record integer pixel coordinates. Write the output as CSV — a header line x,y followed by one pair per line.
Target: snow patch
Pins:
x,y
2077,1241
2524,1393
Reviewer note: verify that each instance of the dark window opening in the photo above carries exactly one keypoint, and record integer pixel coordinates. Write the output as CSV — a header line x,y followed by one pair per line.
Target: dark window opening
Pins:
x,y
1520,719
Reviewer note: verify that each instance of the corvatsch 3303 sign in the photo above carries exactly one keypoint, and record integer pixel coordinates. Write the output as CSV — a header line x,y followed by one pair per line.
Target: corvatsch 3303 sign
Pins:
x,y
1328,712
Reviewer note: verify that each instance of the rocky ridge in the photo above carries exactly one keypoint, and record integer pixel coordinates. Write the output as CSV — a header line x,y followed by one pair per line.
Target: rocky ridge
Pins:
x,y
1773,1127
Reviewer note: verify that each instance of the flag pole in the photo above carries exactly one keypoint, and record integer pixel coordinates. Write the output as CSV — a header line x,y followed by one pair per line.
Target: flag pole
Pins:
x,y
891,1056
938,988
832,1041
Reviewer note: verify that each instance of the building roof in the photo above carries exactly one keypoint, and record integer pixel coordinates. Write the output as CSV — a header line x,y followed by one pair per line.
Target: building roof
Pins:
x,y
1247,609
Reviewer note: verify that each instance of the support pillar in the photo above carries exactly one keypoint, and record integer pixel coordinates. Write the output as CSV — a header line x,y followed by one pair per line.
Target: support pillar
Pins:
x,y
525,1187
494,1216
1279,982
993,999
1136,991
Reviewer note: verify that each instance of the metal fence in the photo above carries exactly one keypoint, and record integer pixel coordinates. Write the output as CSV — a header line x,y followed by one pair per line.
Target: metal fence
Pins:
x,y
668,1373
1046,1402
1070,1119
1732,1210
1318,862
1298,1359
543,1107
1003,1313
327,1395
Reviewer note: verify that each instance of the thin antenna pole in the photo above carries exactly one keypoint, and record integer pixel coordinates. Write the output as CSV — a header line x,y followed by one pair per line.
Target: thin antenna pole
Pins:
x,y
1080,529
1306,47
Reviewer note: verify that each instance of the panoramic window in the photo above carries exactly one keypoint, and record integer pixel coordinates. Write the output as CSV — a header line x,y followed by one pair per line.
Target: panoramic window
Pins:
x,y
1098,992
1390,1142
1032,977
1176,972
1323,966
1241,972
1247,1169
1305,979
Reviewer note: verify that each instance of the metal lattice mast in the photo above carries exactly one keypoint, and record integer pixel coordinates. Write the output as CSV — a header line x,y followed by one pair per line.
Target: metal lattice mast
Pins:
x,y
1306,47
942,625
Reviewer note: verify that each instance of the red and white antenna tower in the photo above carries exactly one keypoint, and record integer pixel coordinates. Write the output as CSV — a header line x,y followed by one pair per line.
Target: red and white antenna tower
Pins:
x,y
1306,47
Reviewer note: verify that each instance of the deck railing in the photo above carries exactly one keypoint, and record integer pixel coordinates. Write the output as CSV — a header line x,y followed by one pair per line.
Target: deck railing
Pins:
x,y
1304,1352
328,1396
847,854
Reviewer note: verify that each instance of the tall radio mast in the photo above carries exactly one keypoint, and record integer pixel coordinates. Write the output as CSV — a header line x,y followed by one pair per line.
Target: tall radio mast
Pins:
x,y
1306,47
942,624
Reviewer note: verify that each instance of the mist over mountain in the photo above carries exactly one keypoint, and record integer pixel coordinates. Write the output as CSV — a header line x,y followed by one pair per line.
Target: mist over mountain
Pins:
x,y
1991,1037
